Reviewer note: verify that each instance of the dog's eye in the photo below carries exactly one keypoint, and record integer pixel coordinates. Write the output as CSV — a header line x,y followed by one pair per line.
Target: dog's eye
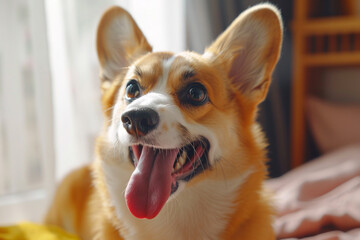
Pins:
x,y
132,90
196,94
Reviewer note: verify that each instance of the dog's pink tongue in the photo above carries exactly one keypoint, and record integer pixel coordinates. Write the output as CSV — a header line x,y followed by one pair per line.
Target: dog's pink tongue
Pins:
x,y
149,186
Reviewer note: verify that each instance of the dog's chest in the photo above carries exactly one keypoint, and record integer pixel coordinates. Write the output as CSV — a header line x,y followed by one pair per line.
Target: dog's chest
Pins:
x,y
200,212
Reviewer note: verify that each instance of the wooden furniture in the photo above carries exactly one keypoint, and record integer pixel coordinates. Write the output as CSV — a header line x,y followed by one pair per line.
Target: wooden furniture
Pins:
x,y
318,43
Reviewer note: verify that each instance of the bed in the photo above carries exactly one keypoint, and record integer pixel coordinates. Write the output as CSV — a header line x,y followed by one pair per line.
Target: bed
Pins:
x,y
319,199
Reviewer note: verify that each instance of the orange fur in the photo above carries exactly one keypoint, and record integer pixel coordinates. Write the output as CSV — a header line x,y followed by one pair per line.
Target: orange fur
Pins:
x,y
236,71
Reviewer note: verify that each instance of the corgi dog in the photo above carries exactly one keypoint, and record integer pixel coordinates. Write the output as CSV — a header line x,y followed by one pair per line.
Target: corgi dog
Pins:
x,y
180,155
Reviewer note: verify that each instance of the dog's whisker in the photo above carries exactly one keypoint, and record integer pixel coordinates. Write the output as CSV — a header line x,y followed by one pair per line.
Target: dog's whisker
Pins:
x,y
110,108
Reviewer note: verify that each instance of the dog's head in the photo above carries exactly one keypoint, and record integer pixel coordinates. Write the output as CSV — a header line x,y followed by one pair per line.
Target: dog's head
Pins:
x,y
183,118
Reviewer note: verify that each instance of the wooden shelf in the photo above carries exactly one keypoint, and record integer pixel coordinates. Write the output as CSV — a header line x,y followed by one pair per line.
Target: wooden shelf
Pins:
x,y
318,43
333,25
332,59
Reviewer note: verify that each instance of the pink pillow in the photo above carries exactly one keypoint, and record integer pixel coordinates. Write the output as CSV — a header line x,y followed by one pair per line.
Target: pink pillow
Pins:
x,y
333,125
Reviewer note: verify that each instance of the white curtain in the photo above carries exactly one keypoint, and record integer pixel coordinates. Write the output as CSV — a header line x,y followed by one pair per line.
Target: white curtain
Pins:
x,y
26,120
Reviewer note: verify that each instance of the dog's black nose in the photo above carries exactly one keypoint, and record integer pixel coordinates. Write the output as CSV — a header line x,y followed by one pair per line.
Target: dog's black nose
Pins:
x,y
138,122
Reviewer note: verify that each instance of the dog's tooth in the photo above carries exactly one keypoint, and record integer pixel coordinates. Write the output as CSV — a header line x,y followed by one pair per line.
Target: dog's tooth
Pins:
x,y
182,160
184,155
177,166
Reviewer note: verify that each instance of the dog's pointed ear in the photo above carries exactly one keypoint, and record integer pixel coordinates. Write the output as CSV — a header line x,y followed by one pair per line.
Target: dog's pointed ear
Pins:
x,y
249,49
119,42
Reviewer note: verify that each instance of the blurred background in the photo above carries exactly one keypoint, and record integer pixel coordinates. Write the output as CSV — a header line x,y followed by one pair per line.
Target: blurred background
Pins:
x,y
49,87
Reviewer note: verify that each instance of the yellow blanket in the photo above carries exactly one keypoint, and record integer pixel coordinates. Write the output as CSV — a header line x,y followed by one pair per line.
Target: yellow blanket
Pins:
x,y
32,231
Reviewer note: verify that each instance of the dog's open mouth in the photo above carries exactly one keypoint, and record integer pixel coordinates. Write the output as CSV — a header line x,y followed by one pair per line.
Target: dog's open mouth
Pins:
x,y
158,172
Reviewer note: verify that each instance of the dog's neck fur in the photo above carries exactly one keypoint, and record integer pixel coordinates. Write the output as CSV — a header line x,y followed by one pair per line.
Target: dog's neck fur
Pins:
x,y
201,210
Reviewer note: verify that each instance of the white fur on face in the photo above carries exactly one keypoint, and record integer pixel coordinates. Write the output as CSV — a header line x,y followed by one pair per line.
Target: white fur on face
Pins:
x,y
169,116
167,134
